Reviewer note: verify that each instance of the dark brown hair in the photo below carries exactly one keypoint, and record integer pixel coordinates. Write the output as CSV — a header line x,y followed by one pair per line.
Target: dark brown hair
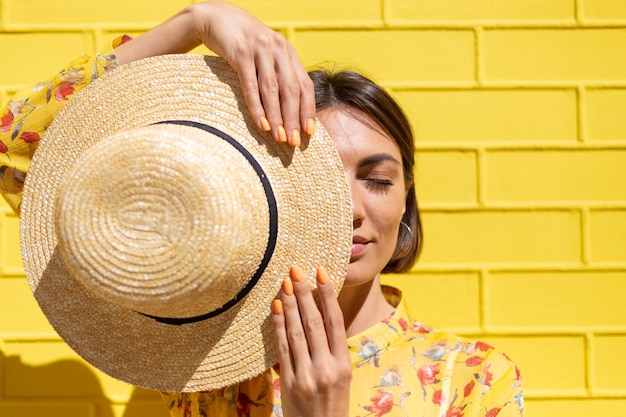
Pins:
x,y
352,91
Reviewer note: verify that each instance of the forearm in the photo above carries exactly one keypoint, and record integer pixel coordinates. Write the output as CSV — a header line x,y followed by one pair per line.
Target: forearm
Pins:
x,y
178,34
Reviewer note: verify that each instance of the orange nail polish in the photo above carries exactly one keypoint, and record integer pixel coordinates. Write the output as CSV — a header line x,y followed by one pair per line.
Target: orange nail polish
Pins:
x,y
310,127
282,135
287,286
295,272
322,276
277,307
265,125
295,137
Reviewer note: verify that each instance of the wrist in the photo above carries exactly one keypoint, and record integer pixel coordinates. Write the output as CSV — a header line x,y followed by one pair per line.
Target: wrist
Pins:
x,y
199,17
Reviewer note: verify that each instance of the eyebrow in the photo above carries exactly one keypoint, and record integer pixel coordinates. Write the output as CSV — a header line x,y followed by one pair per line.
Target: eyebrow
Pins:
x,y
377,159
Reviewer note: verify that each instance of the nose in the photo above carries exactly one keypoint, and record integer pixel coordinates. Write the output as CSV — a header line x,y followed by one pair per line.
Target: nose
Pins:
x,y
358,208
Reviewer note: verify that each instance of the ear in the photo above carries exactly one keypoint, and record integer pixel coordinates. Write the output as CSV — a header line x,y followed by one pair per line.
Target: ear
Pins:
x,y
407,187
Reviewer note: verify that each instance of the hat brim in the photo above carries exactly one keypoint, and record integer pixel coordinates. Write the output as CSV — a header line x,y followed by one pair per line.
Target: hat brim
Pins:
x,y
314,227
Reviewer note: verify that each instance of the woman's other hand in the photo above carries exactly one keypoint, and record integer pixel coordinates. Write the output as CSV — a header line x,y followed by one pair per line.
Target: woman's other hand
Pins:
x,y
315,365
276,86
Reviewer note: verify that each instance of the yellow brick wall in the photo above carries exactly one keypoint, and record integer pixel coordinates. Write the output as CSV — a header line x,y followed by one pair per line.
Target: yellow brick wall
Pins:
x,y
520,113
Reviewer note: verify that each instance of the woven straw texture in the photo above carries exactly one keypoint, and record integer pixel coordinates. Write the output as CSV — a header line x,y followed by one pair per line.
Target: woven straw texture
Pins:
x,y
162,248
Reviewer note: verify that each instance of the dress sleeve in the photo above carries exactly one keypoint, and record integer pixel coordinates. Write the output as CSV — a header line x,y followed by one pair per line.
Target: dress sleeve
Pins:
x,y
25,118
503,396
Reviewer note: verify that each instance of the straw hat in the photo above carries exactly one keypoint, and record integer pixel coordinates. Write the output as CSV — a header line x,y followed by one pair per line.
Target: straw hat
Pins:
x,y
158,224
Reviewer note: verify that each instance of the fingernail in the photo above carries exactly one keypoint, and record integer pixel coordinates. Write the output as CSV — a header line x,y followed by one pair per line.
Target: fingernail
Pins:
x,y
295,272
310,127
295,137
265,125
277,307
287,286
322,276
282,135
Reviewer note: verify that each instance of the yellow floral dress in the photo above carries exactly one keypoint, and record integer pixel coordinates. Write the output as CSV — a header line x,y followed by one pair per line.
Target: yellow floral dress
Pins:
x,y
28,114
400,366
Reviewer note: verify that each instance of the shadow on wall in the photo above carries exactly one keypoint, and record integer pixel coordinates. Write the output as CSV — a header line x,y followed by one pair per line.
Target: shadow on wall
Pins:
x,y
68,384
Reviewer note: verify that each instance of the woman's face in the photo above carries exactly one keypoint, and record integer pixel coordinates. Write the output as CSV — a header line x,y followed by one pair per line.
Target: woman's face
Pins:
x,y
373,165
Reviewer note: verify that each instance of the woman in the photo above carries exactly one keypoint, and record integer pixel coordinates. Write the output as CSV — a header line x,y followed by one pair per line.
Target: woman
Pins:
x,y
360,353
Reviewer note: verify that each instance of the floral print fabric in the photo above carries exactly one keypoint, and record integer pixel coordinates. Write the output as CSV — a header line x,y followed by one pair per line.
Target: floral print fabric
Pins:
x,y
28,114
400,368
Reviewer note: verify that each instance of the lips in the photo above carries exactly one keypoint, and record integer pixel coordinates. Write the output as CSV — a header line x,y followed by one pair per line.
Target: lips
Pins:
x,y
358,246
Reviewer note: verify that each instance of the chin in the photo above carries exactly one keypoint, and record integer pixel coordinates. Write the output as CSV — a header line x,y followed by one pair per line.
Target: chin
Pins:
x,y
360,273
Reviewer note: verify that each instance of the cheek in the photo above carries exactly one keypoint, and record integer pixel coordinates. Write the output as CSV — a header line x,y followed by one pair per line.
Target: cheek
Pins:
x,y
388,212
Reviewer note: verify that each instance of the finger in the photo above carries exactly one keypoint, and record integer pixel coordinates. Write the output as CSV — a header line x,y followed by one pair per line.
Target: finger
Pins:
x,y
246,69
307,94
269,90
280,336
289,88
333,316
296,336
312,319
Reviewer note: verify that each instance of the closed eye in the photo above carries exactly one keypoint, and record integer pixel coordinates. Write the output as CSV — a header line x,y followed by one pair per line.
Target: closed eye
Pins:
x,y
378,185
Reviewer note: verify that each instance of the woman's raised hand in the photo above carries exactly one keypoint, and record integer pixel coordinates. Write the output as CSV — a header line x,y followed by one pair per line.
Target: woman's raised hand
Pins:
x,y
315,365
276,86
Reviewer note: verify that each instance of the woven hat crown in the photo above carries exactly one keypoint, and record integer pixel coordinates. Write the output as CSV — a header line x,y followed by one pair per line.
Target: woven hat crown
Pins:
x,y
168,220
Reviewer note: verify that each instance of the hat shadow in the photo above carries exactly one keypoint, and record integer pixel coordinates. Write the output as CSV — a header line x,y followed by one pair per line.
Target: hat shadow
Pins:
x,y
68,384
90,315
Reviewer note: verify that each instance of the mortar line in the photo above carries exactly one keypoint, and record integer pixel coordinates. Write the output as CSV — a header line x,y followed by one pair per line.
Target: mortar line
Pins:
x,y
384,14
581,122
585,235
481,177
98,39
479,65
483,298
589,368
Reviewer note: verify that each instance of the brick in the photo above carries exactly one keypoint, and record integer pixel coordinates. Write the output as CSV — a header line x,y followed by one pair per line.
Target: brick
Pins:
x,y
10,255
48,409
555,54
143,408
575,407
496,237
423,293
50,369
398,55
482,10
446,176
19,311
561,300
608,235
603,9
81,12
609,363
491,114
606,113
337,11
555,175
36,57
543,370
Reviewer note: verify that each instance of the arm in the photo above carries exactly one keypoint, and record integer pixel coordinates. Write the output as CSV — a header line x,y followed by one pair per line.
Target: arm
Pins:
x,y
277,88
25,118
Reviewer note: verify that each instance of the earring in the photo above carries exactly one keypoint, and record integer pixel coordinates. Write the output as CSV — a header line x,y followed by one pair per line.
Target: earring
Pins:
x,y
406,226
